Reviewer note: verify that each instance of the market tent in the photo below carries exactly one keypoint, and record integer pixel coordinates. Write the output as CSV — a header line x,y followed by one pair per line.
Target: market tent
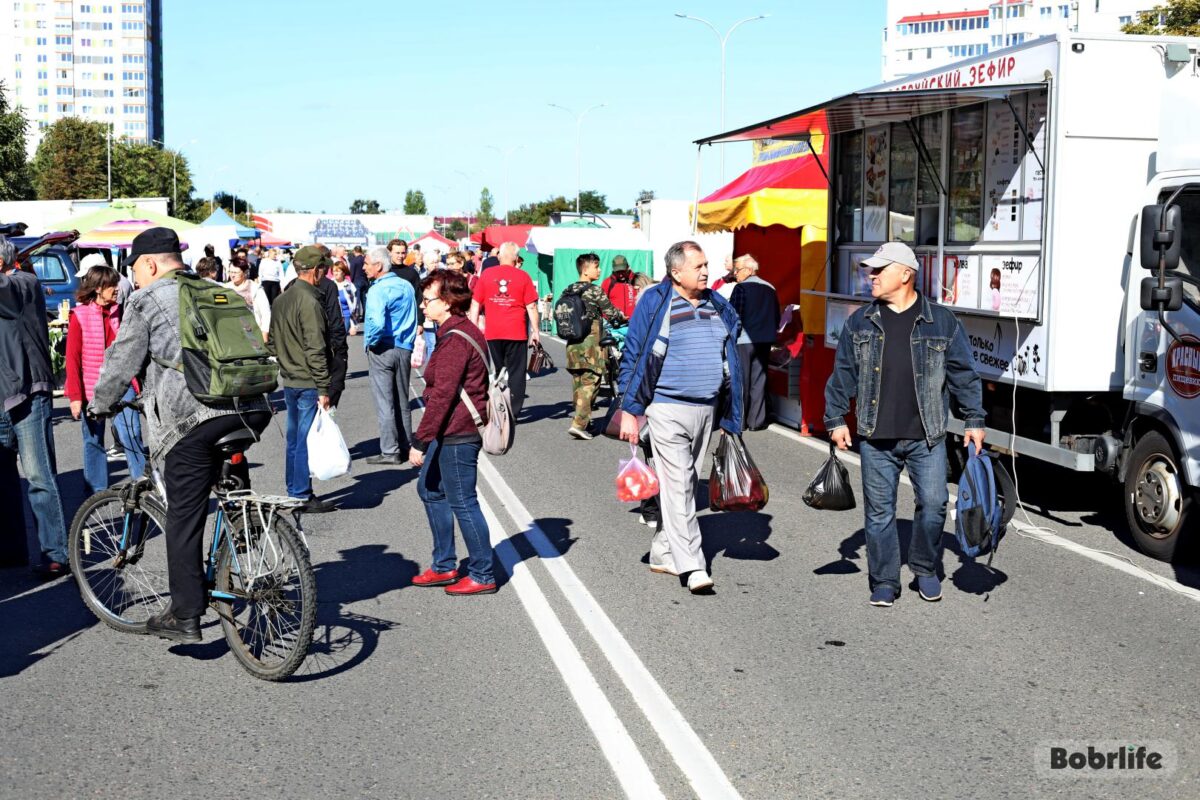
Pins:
x,y
496,235
580,223
120,210
435,241
221,217
557,248
265,239
118,234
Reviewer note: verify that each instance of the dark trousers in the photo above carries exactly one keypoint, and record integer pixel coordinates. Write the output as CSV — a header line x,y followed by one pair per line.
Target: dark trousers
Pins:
x,y
754,359
362,300
271,290
192,467
512,354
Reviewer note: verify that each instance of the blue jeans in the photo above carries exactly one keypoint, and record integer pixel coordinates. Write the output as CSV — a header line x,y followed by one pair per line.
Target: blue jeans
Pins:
x,y
430,342
25,431
882,461
128,426
446,486
301,411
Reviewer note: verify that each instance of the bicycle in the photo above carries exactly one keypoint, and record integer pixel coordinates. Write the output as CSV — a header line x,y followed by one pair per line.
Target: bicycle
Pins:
x,y
258,574
611,341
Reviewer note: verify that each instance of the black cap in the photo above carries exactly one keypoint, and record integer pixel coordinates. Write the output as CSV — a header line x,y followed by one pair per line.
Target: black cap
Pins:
x,y
152,241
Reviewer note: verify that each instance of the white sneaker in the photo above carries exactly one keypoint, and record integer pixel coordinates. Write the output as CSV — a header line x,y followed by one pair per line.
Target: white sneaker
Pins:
x,y
663,569
579,433
698,581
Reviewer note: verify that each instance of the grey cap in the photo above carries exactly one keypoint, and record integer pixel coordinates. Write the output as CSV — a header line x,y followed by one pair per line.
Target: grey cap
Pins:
x,y
893,253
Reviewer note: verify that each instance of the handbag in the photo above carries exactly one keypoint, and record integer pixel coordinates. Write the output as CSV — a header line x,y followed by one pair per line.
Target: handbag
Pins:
x,y
500,428
831,490
540,362
735,483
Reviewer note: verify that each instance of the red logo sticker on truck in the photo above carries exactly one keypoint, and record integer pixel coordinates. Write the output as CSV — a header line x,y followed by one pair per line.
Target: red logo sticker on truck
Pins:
x,y
1183,366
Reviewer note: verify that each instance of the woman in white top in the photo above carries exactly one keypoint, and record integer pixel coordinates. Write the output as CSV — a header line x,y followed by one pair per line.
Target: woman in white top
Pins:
x,y
239,280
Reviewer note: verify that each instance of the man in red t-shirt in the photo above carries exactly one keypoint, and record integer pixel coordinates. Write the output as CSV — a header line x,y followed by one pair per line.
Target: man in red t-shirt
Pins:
x,y
618,286
507,298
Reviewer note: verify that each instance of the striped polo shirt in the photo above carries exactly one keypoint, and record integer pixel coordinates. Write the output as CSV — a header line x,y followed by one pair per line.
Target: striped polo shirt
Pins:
x,y
694,367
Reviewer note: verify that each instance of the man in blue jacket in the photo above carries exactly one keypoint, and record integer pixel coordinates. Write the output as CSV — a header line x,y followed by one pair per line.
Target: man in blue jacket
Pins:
x,y
904,359
680,368
389,334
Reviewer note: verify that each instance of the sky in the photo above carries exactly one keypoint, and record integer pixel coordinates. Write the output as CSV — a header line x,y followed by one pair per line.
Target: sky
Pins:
x,y
308,104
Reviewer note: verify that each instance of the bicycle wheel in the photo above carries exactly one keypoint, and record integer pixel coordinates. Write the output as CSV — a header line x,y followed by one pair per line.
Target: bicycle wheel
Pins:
x,y
123,586
270,625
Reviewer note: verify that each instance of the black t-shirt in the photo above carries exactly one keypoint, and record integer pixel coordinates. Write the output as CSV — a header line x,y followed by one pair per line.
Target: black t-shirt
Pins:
x,y
899,417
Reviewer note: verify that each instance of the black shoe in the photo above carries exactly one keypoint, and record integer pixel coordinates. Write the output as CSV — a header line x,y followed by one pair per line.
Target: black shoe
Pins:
x,y
382,459
317,506
51,571
168,626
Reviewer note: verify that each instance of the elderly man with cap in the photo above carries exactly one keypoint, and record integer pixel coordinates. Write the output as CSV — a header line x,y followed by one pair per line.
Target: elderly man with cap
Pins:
x,y
908,362
757,304
299,341
182,432
619,288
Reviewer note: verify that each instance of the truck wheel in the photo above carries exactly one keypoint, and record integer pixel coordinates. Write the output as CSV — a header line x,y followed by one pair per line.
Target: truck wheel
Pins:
x,y
1156,500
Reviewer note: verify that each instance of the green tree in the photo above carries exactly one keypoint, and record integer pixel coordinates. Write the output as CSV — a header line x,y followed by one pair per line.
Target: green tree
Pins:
x,y
364,207
539,213
71,161
592,202
414,202
16,176
1175,18
485,214
457,228
143,170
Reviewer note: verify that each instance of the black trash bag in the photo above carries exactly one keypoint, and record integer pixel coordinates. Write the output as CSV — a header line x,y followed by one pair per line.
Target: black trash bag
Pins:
x,y
735,483
831,490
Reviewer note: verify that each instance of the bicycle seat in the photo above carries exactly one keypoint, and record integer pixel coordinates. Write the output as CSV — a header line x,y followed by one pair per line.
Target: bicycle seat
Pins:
x,y
236,442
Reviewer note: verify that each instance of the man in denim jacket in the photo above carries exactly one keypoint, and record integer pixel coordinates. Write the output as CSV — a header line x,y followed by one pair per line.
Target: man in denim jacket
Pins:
x,y
905,360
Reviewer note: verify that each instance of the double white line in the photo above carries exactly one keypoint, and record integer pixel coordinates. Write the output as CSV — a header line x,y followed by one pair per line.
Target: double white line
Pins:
x,y
706,777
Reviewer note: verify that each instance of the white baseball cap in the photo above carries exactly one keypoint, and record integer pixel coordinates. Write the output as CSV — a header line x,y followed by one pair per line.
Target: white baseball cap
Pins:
x,y
892,253
89,261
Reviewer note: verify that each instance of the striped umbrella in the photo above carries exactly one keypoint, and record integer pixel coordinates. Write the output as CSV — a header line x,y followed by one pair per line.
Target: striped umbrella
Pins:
x,y
116,234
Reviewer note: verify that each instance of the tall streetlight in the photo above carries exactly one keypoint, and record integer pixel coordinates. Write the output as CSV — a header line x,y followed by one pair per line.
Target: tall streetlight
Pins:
x,y
174,173
578,147
469,179
505,154
723,38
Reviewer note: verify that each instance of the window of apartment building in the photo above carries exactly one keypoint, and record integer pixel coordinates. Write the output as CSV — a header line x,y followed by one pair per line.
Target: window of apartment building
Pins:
x,y
1125,20
85,42
106,9
43,75
1064,11
85,9
43,108
17,75
1045,12
42,59
106,76
42,91
62,74
65,108
65,40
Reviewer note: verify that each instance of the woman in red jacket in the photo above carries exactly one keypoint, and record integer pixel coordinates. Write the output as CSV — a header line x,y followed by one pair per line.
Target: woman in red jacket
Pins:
x,y
447,443
92,328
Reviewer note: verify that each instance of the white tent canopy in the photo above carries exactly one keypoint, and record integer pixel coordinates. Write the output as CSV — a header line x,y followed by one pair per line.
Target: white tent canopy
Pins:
x,y
544,241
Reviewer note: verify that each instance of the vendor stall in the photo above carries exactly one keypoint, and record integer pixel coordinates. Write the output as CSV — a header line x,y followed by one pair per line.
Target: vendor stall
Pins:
x,y
557,248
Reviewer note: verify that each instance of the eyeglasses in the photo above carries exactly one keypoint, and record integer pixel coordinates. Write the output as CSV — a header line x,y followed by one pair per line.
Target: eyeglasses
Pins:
x,y
426,300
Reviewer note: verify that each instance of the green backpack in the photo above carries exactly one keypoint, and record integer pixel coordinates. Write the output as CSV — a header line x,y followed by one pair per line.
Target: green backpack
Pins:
x,y
223,354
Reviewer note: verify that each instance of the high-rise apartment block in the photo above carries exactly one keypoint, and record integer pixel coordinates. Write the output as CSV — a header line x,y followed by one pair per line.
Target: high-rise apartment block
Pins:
x,y
97,61
927,34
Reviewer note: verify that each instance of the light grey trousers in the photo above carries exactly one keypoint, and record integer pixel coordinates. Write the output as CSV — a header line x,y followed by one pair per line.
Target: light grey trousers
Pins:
x,y
389,372
679,435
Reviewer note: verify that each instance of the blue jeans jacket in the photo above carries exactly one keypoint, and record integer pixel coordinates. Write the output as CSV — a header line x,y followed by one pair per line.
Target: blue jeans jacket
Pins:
x,y
942,369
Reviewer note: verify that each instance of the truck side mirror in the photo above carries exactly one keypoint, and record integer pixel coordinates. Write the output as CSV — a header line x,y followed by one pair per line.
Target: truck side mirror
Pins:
x,y
1168,298
1160,233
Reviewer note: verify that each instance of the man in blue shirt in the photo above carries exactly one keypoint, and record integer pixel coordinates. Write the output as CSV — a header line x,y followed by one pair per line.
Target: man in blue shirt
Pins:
x,y
680,368
389,334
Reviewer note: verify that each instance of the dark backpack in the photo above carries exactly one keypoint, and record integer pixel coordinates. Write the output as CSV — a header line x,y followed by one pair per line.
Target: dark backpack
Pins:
x,y
570,317
987,499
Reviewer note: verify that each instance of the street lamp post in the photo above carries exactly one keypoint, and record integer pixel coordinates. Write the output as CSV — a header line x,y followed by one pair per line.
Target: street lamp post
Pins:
x,y
506,154
578,147
723,38
468,178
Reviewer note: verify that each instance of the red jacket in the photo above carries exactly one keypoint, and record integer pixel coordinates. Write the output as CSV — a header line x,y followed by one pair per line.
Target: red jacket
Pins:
x,y
454,365
621,292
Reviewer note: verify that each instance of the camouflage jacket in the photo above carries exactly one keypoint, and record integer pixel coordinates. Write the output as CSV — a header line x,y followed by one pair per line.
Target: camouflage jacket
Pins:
x,y
587,354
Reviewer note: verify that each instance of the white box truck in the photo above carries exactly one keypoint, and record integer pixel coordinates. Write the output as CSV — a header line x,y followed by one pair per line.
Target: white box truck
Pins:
x,y
1033,184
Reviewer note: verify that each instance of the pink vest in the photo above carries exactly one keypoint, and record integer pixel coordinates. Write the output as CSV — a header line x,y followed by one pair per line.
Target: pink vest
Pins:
x,y
92,322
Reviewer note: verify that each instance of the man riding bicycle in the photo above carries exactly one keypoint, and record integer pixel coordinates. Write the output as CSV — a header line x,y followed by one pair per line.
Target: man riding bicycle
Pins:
x,y
181,430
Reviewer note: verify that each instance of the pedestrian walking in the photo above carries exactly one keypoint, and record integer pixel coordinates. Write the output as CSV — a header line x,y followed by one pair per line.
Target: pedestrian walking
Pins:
x,y
585,358
446,445
398,255
298,340
219,272
337,350
757,305
905,360
91,329
347,296
508,300
618,286
253,293
359,279
270,272
679,366
26,384
389,335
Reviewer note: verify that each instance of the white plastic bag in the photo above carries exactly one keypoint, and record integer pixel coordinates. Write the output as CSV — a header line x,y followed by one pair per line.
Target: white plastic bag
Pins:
x,y
328,456
418,353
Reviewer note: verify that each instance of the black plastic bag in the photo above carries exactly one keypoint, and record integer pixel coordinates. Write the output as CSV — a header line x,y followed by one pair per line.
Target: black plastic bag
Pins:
x,y
735,483
831,490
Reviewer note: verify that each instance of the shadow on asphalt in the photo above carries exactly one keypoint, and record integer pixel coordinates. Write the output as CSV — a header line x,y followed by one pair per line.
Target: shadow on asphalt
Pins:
x,y
737,534
371,488
518,547
30,624
530,414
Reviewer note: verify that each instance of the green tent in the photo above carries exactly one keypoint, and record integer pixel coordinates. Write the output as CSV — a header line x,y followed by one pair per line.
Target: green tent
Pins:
x,y
119,210
562,272
558,246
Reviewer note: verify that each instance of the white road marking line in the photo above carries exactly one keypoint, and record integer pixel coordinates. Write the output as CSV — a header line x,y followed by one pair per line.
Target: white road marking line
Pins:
x,y
706,777
626,761
1041,535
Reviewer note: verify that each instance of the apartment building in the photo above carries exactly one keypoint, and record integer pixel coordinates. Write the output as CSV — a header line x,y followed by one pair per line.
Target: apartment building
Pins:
x,y
97,61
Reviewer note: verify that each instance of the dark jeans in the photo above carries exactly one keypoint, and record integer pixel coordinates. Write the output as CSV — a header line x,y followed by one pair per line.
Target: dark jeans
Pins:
x,y
25,431
755,358
301,411
446,486
882,461
192,467
512,354
271,290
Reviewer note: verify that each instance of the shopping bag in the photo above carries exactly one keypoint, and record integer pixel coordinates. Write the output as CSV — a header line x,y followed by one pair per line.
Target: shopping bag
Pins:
x,y
635,480
613,426
540,362
328,456
735,484
831,490
418,353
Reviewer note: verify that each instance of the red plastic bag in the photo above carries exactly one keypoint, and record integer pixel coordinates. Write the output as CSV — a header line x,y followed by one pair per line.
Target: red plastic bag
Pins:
x,y
735,483
635,480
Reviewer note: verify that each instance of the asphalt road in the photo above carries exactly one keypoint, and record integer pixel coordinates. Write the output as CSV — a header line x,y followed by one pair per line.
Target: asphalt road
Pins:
x,y
587,676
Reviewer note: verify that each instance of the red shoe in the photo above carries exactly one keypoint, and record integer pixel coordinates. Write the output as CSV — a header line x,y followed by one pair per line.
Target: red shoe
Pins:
x,y
431,578
469,586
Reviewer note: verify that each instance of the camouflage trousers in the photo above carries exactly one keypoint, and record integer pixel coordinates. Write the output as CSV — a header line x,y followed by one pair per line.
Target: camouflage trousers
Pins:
x,y
585,383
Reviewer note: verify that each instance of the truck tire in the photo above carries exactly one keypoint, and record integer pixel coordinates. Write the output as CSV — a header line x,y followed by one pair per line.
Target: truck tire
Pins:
x,y
1157,504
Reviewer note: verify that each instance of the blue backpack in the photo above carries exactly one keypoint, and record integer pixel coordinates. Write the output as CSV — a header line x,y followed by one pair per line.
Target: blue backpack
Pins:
x,y
987,499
